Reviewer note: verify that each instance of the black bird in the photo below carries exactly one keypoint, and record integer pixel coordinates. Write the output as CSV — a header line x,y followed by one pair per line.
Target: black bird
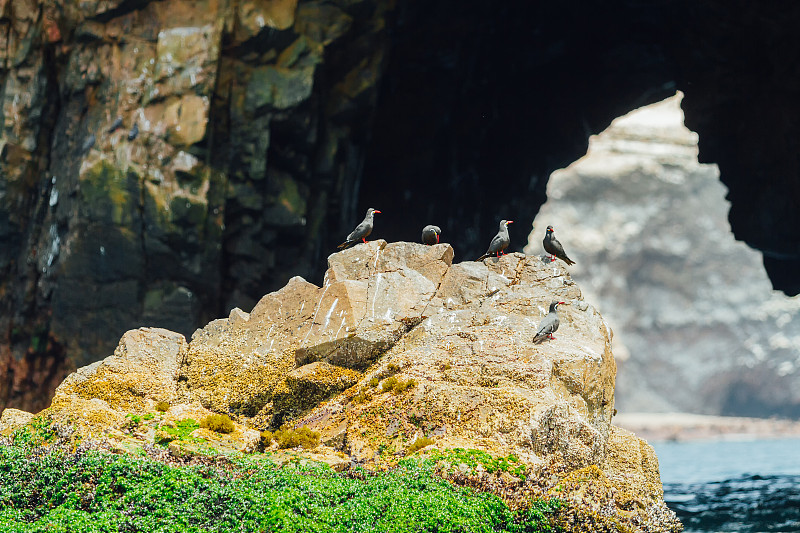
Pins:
x,y
362,231
430,234
500,241
88,143
134,132
554,248
115,125
549,324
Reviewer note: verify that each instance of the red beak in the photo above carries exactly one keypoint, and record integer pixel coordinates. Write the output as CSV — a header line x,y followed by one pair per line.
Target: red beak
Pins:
x,y
509,221
437,238
561,303
376,211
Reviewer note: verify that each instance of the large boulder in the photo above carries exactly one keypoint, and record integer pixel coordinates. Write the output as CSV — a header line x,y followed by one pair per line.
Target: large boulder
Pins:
x,y
480,381
398,350
372,295
447,353
142,372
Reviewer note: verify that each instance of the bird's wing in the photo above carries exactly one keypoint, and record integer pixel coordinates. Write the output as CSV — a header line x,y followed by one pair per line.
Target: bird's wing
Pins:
x,y
362,230
549,325
496,244
561,254
559,250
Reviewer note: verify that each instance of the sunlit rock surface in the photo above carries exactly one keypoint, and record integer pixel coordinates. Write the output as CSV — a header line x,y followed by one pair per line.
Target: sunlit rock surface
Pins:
x,y
698,326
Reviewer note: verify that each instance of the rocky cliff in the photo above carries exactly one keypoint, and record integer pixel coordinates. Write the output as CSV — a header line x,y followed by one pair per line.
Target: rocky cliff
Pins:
x,y
162,162
399,349
165,160
693,307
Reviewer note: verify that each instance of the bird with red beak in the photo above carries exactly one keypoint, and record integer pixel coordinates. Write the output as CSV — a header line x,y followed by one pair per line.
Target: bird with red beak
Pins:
x,y
361,232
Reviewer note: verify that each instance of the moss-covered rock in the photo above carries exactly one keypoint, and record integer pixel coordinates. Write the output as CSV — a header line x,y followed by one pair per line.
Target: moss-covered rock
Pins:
x,y
439,358
109,194
234,364
308,386
631,463
13,419
143,371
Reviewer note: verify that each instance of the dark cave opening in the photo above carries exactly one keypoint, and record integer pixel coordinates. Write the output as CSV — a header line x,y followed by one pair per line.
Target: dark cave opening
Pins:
x,y
476,111
477,108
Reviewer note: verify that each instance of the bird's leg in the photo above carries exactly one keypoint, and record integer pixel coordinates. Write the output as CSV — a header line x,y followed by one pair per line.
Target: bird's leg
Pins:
x,y
364,239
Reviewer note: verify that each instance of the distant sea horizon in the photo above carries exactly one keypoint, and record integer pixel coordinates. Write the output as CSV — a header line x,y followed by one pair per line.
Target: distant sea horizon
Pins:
x,y
704,461
743,484
677,426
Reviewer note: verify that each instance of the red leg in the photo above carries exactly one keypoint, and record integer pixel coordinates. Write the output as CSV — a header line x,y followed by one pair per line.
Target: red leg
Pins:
x,y
364,239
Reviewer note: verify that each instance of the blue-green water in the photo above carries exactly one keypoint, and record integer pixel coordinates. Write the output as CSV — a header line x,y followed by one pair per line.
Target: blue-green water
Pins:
x,y
733,486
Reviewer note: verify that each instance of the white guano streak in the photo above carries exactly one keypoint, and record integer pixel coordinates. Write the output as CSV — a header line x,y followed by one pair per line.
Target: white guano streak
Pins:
x,y
340,328
375,294
330,312
316,311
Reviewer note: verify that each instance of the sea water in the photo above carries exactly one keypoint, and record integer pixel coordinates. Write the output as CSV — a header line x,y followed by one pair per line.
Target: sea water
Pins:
x,y
733,485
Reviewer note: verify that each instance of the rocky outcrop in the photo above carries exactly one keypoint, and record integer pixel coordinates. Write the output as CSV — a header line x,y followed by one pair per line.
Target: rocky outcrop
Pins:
x,y
692,307
143,369
398,345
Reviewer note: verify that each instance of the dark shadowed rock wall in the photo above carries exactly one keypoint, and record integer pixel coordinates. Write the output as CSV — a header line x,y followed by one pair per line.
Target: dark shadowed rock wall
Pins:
x,y
242,130
479,106
266,127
